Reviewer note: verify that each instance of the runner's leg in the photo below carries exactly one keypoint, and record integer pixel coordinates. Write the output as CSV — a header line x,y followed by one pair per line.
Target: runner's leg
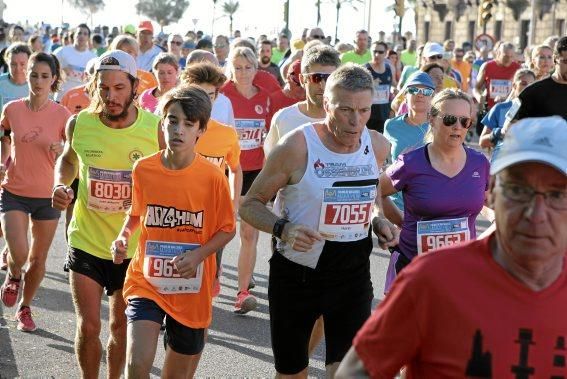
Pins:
x,y
178,365
42,232
247,257
316,335
116,346
141,347
15,228
87,295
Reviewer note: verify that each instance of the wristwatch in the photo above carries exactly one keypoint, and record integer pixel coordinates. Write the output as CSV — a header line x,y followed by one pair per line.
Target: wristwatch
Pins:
x,y
278,227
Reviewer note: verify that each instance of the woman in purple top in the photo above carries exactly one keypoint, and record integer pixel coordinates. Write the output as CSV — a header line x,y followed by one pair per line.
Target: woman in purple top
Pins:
x,y
166,70
443,184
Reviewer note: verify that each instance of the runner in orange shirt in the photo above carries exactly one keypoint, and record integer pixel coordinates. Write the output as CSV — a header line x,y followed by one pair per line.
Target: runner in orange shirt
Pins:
x,y
172,271
219,144
77,99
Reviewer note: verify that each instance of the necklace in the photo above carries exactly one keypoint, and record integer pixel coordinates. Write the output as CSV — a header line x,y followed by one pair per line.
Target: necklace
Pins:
x,y
28,103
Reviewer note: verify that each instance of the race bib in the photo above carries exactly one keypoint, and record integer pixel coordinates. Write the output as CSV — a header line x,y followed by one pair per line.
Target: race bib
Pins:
x,y
250,133
381,94
346,213
162,274
110,191
499,88
438,233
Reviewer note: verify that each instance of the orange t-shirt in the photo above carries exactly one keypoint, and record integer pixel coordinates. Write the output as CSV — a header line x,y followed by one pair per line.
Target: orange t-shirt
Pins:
x,y
76,99
456,313
31,172
179,210
464,69
147,80
219,144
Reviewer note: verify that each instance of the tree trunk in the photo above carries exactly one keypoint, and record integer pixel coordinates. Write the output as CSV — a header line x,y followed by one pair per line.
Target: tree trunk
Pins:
x,y
231,25
337,23
318,12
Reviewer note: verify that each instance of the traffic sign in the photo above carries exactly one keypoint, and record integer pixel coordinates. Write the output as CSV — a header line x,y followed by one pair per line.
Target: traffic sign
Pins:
x,y
484,40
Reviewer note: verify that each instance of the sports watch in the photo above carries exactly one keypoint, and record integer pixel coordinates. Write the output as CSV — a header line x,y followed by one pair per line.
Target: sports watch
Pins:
x,y
278,227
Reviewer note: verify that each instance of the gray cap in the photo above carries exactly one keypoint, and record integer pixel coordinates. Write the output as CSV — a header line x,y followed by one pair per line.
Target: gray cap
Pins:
x,y
542,139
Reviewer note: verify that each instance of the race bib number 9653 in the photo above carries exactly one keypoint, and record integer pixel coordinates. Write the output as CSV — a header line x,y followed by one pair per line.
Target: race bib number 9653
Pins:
x,y
109,190
346,212
435,234
162,274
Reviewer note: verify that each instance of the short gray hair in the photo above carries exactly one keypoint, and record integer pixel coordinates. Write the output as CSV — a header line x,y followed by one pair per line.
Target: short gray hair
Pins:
x,y
351,77
322,55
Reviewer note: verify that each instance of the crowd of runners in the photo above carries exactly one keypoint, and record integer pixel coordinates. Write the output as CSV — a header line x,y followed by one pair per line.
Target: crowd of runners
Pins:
x,y
156,147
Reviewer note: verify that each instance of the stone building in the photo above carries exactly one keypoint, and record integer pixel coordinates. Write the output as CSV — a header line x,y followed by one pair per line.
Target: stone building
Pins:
x,y
438,20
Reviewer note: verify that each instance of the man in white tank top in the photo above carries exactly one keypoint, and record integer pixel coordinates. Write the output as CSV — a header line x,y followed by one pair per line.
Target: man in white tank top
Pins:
x,y
316,65
326,175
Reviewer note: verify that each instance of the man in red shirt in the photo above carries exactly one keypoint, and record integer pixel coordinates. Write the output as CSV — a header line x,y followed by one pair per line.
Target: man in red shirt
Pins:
x,y
490,308
292,92
496,75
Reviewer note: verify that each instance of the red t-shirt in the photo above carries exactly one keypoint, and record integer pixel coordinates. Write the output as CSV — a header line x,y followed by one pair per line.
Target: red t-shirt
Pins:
x,y
267,81
280,100
456,313
251,119
498,80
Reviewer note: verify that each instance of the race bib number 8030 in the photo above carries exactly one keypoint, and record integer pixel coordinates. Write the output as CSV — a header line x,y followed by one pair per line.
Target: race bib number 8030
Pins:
x,y
109,190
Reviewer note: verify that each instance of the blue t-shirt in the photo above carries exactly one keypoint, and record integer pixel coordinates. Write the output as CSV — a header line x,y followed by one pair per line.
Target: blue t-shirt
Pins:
x,y
430,195
10,91
403,138
495,119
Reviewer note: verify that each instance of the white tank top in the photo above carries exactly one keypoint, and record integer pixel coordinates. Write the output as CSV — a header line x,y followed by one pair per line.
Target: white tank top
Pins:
x,y
335,196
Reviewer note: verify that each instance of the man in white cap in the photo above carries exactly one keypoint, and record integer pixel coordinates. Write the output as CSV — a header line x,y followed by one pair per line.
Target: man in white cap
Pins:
x,y
490,308
102,145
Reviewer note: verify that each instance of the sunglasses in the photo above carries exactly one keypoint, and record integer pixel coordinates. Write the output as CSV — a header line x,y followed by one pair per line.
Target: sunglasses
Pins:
x,y
438,56
450,120
178,43
220,46
317,77
318,36
379,51
424,91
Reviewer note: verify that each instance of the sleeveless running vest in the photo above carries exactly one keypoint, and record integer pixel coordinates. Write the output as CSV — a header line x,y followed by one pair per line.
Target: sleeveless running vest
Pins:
x,y
106,157
335,196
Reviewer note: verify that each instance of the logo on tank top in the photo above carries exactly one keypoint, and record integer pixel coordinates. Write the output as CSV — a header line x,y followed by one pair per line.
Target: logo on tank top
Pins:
x,y
170,217
334,170
258,108
134,155
366,150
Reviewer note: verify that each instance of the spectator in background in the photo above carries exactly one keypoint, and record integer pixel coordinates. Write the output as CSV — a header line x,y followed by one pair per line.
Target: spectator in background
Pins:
x,y
409,55
265,61
279,51
147,50
97,42
222,47
361,54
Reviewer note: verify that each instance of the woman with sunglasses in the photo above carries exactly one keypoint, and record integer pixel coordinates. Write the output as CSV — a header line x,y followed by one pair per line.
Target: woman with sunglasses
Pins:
x,y
174,43
491,136
383,82
443,184
252,114
435,71
166,70
407,132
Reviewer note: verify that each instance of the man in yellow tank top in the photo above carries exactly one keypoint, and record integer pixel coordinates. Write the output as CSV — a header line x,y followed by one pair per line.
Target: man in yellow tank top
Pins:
x,y
103,142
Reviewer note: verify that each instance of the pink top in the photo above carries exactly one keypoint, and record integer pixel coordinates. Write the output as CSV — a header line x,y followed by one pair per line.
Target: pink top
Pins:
x,y
31,172
148,101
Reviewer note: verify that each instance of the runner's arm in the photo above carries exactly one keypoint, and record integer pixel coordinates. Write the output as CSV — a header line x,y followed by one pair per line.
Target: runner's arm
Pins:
x,y
67,166
119,247
161,138
486,138
389,209
285,165
235,180
479,87
351,366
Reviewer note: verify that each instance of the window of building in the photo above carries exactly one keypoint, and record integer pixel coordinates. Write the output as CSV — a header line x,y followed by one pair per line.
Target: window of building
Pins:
x,y
448,30
498,30
426,28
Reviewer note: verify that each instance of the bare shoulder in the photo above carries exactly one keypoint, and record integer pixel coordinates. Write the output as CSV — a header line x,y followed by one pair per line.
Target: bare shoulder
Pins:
x,y
289,156
380,145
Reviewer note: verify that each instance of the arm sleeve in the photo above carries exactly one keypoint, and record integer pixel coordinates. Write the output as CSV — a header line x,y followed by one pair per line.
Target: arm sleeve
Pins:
x,y
398,173
391,337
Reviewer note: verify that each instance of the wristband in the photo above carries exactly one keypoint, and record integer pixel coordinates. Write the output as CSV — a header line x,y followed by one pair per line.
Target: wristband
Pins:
x,y
58,186
278,228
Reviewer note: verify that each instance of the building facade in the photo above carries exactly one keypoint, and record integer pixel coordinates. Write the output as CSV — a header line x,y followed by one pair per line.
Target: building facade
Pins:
x,y
440,20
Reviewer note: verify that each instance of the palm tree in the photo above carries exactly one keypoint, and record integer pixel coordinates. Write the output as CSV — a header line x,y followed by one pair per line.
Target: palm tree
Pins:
x,y
229,8
318,5
339,4
213,23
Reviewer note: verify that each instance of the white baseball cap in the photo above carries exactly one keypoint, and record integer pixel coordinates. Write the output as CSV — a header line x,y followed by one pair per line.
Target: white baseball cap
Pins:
x,y
542,139
432,48
117,60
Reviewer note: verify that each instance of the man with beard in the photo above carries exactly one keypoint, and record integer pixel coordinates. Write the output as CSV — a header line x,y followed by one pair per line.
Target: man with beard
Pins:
x,y
265,61
103,142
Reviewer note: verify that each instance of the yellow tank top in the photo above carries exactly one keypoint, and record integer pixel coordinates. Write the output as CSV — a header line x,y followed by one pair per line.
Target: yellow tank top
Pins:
x,y
106,157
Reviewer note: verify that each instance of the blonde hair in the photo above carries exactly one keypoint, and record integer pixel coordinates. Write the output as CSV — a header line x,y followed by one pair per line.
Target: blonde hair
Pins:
x,y
244,52
439,99
122,40
535,51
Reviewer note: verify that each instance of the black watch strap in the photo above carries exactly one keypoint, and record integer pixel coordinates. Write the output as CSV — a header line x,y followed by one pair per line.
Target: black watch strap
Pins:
x,y
278,227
